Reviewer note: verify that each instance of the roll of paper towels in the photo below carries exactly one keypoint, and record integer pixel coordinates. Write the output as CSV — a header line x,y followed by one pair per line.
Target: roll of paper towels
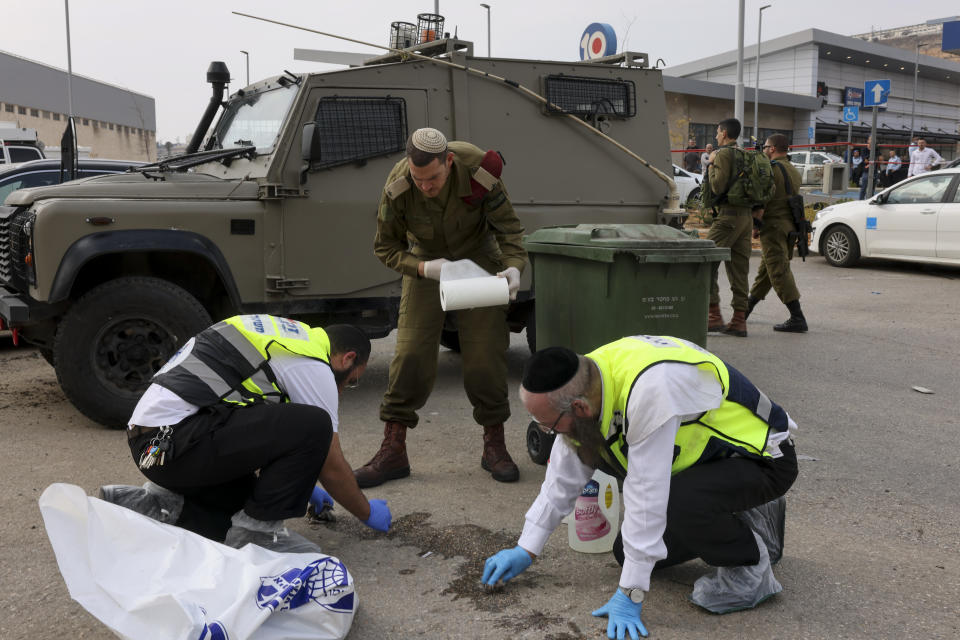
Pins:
x,y
469,293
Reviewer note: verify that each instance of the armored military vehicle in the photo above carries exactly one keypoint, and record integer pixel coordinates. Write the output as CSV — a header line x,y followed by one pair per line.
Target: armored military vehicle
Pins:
x,y
276,213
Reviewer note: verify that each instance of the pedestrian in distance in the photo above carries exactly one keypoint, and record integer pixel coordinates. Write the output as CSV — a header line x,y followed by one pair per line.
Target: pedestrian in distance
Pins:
x,y
705,459
731,228
857,164
705,158
891,171
691,159
923,159
449,199
776,241
239,425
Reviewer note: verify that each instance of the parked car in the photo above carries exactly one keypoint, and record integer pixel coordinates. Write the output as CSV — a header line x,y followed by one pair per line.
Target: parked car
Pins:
x,y
688,185
917,220
810,164
39,173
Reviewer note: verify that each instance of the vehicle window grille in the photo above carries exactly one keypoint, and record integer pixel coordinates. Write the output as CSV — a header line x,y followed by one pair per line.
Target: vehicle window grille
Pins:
x,y
590,96
354,128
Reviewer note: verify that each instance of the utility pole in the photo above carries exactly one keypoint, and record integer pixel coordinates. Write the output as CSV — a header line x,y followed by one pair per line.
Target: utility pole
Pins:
x,y
756,86
738,88
916,74
66,8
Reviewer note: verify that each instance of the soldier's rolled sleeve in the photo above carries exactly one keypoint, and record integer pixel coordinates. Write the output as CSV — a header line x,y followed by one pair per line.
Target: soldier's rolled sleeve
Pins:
x,y
390,244
506,227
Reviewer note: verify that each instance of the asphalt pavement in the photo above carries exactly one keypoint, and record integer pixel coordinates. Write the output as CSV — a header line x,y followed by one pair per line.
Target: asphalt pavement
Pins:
x,y
872,522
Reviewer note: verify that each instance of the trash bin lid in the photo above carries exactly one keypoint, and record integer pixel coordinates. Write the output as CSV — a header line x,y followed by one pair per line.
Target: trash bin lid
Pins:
x,y
648,242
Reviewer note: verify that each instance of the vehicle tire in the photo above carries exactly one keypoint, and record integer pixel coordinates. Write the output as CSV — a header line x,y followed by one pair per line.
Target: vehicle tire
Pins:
x,y
539,443
693,200
46,354
450,338
116,336
840,247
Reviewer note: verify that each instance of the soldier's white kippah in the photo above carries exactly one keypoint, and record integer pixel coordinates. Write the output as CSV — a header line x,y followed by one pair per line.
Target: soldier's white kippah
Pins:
x,y
429,140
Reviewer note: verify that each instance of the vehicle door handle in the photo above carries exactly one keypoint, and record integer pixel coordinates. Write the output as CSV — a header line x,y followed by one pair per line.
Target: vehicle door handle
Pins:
x,y
927,212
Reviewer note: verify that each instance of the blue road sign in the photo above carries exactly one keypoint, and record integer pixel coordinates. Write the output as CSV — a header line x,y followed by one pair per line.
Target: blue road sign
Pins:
x,y
875,92
851,114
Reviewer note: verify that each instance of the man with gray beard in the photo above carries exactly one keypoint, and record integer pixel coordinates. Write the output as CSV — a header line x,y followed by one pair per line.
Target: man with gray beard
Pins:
x,y
705,459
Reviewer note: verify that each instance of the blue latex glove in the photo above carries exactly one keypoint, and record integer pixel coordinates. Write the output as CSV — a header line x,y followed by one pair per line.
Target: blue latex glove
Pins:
x,y
505,565
380,517
320,499
623,616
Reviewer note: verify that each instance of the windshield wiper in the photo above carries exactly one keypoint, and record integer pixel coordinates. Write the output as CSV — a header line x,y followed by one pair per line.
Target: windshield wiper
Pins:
x,y
187,160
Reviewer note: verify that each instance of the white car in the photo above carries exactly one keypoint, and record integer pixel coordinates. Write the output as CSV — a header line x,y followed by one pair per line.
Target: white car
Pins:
x,y
688,184
917,220
810,164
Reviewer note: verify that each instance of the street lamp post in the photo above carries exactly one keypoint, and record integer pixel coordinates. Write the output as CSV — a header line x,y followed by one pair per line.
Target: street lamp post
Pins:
x,y
738,87
248,66
487,7
756,86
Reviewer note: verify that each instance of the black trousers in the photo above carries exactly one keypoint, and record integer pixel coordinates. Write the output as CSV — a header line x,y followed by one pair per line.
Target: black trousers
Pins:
x,y
264,459
704,498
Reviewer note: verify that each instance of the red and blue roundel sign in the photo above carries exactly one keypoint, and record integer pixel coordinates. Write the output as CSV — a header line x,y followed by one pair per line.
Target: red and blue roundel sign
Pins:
x,y
598,40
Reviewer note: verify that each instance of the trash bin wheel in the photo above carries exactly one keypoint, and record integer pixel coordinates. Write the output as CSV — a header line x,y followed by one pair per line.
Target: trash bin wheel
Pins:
x,y
538,443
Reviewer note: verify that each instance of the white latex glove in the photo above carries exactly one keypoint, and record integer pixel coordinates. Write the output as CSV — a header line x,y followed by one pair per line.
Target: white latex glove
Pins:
x,y
431,268
512,274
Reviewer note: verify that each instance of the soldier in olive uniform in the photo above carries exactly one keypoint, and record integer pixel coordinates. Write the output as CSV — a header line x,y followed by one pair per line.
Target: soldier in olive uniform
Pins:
x,y
775,239
446,202
731,228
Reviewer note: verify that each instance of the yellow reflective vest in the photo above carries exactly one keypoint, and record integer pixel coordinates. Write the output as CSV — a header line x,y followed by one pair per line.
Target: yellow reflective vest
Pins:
x,y
739,426
230,361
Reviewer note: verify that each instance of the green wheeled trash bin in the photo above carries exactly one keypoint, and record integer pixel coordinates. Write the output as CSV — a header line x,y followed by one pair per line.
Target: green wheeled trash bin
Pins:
x,y
596,283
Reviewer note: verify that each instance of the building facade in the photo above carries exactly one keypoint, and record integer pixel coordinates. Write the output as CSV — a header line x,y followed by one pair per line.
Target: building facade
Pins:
x,y
112,121
833,69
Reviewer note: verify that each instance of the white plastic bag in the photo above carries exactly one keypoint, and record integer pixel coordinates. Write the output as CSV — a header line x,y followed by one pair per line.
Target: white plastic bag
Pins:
x,y
146,580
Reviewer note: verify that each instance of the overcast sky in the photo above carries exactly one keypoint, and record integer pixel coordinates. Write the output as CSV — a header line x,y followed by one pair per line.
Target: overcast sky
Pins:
x,y
162,47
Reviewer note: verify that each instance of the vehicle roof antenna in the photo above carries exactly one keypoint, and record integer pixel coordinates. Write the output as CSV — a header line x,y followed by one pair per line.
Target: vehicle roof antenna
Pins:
x,y
296,79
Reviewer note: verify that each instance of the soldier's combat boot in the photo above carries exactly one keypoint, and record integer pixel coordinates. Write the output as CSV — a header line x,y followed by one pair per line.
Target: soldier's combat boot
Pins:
x,y
390,462
751,303
738,325
495,458
796,323
714,318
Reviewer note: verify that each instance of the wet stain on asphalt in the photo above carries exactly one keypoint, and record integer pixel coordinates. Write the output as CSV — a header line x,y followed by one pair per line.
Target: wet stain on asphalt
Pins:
x,y
474,544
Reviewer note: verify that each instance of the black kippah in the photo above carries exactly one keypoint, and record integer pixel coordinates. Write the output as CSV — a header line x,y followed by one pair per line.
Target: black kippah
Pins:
x,y
549,369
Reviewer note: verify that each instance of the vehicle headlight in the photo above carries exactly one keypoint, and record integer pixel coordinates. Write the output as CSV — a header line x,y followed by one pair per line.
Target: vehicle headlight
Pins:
x,y
821,213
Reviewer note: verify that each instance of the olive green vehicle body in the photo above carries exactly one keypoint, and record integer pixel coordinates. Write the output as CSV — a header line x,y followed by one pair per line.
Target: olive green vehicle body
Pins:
x,y
278,233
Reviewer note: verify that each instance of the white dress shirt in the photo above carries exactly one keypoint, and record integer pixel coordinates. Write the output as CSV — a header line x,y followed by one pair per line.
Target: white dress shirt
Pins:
x,y
663,397
919,160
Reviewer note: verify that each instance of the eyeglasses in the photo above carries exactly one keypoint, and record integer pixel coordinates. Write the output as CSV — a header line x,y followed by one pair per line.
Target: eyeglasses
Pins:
x,y
551,430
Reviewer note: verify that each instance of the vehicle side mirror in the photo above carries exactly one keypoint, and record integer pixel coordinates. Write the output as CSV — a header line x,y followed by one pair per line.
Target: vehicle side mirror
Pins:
x,y
880,198
310,142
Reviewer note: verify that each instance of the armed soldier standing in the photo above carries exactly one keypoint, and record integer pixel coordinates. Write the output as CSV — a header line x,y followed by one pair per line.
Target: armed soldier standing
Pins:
x,y
731,228
446,202
777,237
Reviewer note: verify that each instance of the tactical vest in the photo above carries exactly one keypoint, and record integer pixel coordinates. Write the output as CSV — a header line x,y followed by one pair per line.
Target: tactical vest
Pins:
x,y
230,361
740,425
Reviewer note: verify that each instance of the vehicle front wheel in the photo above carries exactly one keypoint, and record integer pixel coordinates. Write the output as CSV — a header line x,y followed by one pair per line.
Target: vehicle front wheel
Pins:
x,y
112,341
840,246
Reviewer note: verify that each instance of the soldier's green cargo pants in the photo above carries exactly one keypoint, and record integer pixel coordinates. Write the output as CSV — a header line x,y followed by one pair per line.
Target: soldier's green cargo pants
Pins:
x,y
732,228
775,267
484,339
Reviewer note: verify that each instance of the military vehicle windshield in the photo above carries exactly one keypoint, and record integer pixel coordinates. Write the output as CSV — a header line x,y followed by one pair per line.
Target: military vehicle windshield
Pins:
x,y
255,119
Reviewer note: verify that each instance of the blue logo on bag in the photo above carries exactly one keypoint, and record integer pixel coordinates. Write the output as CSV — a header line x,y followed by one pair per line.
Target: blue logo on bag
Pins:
x,y
323,581
214,631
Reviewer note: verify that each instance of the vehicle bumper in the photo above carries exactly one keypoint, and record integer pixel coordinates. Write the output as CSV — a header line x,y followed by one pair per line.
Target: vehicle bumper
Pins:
x,y
18,309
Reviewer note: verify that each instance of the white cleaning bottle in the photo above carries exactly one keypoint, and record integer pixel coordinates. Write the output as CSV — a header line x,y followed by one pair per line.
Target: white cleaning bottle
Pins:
x,y
595,521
